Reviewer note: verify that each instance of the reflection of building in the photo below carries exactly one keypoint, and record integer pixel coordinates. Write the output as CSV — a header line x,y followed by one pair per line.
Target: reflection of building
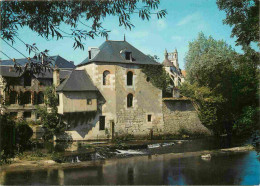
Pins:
x,y
171,65
27,91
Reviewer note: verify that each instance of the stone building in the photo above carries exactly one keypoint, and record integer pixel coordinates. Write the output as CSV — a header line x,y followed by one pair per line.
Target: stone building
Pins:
x,y
105,96
110,84
171,65
28,91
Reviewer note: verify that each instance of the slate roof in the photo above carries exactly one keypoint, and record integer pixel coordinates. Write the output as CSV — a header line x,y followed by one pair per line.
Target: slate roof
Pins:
x,y
77,81
112,51
9,71
59,61
166,62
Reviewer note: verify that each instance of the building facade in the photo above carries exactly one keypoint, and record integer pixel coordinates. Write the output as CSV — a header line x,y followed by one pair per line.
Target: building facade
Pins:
x,y
171,65
127,103
106,96
27,91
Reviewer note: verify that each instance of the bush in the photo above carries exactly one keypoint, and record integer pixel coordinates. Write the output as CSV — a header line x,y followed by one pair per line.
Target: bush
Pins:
x,y
23,134
14,137
246,124
58,157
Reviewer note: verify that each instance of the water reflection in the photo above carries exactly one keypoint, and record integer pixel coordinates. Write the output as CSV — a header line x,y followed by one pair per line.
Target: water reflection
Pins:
x,y
239,168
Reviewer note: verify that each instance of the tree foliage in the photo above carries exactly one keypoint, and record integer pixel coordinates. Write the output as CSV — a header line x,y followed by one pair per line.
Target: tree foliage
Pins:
x,y
243,17
50,120
83,18
47,17
14,137
222,82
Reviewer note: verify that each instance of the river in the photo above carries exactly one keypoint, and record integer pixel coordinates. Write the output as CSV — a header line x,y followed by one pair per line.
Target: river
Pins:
x,y
241,168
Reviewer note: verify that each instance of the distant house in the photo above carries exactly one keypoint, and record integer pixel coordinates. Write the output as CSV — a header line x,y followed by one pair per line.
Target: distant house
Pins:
x,y
171,65
27,91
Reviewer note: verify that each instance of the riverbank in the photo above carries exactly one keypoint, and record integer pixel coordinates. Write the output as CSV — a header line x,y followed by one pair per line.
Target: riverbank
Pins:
x,y
21,165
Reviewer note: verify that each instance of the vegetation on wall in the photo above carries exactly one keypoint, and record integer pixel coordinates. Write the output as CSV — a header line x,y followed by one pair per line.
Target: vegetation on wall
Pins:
x,y
157,75
224,84
50,119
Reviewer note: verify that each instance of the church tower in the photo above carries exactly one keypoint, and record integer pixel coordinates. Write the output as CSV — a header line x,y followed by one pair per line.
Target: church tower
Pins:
x,y
175,59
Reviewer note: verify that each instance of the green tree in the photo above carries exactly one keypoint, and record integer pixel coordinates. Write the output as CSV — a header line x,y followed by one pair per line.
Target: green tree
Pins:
x,y
221,81
83,18
50,119
75,14
243,17
14,137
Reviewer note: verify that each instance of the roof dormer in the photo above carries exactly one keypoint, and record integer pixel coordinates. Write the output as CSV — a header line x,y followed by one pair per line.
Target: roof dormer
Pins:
x,y
128,56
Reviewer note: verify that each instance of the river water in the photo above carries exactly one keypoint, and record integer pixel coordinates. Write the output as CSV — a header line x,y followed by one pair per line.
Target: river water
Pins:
x,y
224,168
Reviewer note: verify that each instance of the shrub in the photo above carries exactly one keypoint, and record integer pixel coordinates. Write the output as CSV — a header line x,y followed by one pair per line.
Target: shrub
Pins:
x,y
23,134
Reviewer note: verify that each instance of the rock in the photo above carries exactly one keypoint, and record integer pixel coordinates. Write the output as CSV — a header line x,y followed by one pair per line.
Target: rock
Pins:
x,y
49,162
206,156
154,146
179,142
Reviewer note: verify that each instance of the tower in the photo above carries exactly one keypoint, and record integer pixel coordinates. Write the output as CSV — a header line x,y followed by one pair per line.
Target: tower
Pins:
x,y
165,54
175,59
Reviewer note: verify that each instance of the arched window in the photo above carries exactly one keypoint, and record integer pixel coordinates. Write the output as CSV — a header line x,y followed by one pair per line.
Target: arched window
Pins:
x,y
129,78
27,97
13,97
130,100
40,98
106,77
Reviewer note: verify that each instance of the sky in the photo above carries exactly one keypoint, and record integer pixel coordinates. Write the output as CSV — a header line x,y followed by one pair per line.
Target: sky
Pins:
x,y
185,19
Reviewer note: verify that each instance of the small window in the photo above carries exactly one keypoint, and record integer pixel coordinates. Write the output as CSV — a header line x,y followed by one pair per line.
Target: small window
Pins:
x,y
129,78
37,116
58,98
106,77
89,101
27,97
101,122
148,79
89,54
13,97
149,117
130,100
27,114
128,55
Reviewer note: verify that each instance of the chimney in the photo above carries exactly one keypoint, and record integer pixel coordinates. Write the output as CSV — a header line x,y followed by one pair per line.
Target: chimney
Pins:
x,y
56,76
92,52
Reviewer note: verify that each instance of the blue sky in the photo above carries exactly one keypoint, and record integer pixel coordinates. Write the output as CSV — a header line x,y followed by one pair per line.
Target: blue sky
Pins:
x,y
185,19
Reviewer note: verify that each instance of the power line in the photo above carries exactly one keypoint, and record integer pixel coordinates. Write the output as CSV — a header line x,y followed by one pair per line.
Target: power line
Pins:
x,y
14,48
5,55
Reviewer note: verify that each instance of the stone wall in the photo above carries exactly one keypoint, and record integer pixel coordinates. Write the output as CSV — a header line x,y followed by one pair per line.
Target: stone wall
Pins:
x,y
147,100
180,116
